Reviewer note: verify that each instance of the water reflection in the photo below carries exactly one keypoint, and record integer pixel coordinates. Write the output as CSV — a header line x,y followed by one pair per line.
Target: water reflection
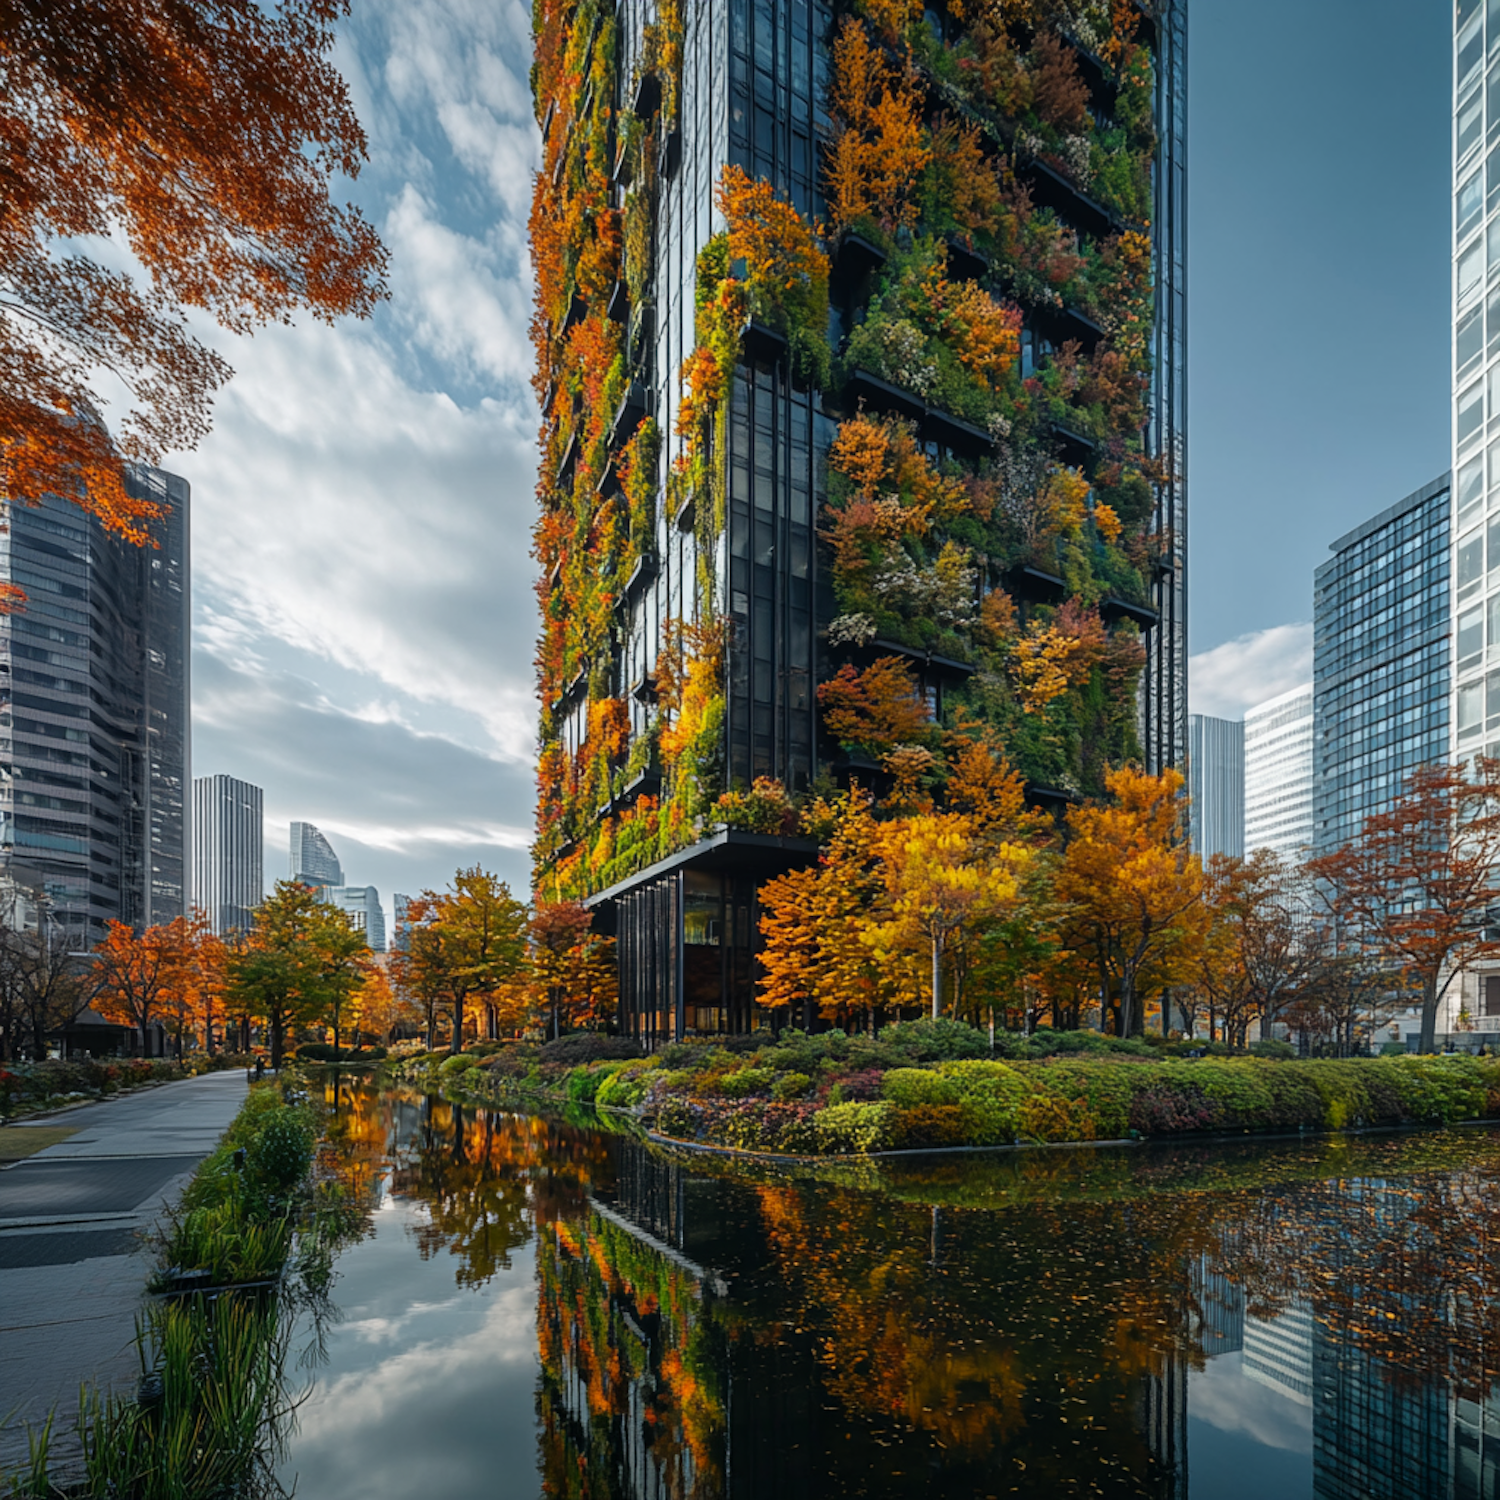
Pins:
x,y
1315,1320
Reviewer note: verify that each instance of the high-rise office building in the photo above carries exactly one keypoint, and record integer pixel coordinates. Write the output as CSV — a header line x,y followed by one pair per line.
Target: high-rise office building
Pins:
x,y
1475,602
770,469
400,930
362,904
228,852
313,860
1381,661
94,744
1216,786
1279,775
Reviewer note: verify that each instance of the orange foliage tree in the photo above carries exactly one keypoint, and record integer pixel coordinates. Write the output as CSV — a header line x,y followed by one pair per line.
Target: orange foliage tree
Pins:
x,y
205,133
1131,889
141,977
1420,882
573,967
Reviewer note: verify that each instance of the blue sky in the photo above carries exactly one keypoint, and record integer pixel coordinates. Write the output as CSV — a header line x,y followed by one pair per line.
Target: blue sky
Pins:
x,y
364,614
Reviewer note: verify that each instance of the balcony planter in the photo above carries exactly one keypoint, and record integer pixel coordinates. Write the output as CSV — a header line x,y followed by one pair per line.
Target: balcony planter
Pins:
x,y
569,457
609,480
641,574
965,264
1073,446
1050,189
1063,323
630,413
1115,609
1035,585
647,96
687,513
855,260
957,434
617,309
761,341
882,396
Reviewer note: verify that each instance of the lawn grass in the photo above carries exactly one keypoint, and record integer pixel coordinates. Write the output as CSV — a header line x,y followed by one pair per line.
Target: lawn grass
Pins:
x,y
17,1142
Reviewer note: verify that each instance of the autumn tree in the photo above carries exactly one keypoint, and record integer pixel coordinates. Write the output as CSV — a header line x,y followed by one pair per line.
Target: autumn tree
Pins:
x,y
276,974
204,134
573,966
942,883
376,1009
1131,888
343,959
877,708
139,977
1420,883
466,942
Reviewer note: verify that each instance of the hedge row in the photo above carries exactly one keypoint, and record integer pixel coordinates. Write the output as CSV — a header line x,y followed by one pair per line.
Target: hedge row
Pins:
x,y
31,1085
838,1095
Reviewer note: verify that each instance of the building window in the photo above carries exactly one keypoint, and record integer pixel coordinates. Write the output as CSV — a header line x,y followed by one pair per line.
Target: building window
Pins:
x,y
1470,207
1470,563
1470,123
1471,410
1470,636
1491,986
1470,710
1470,340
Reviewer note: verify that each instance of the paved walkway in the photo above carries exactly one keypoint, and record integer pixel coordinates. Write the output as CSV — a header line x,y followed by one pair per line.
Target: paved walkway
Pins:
x,y
73,1264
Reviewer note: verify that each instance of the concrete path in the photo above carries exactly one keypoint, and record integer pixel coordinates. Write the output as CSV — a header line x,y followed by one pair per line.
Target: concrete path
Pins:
x,y
73,1264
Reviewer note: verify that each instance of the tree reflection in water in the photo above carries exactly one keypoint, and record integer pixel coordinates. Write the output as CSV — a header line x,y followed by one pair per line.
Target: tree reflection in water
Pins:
x,y
966,1326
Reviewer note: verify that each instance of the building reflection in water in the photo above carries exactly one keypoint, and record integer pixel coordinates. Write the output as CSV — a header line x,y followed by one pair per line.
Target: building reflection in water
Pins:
x,y
709,1331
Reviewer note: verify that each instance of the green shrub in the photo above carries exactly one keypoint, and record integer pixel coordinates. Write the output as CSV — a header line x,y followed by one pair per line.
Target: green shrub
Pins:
x,y
909,1088
791,1086
677,1118
746,1081
583,1084
281,1152
456,1064
844,1129
1051,1118
932,1041
1270,1046
932,1125
627,1085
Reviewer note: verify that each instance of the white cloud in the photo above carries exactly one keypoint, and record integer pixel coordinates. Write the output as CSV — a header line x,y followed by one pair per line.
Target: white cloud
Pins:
x,y
1235,676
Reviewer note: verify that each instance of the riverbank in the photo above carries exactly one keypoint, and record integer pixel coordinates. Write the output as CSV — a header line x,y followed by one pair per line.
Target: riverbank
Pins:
x,y
932,1085
28,1089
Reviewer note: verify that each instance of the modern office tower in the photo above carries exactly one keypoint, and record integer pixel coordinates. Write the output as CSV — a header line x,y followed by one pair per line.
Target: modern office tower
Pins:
x,y
1381,660
400,934
94,742
313,860
362,903
1216,786
1279,1352
228,852
1475,718
1279,775
884,460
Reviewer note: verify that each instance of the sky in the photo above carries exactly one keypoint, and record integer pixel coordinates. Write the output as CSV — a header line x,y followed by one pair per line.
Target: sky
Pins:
x,y
363,608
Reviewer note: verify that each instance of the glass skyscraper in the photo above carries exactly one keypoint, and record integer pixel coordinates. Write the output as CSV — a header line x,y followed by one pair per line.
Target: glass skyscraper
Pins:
x,y
1381,660
95,734
1216,786
313,860
228,852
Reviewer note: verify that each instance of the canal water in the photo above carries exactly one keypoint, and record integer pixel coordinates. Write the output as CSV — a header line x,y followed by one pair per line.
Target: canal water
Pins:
x,y
547,1307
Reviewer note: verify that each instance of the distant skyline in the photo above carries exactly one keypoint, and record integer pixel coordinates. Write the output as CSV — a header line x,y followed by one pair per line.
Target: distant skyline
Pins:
x,y
365,620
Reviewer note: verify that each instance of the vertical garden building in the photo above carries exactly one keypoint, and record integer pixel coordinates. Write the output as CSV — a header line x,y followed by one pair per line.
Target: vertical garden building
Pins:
x,y
860,352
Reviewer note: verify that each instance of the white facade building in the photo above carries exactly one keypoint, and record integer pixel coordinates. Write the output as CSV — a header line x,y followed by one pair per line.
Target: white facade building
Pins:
x,y
362,903
228,852
1279,775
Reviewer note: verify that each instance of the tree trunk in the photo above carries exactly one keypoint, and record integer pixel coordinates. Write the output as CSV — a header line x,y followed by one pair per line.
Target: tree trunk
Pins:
x,y
937,978
335,1034
458,1026
276,1040
1427,1041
